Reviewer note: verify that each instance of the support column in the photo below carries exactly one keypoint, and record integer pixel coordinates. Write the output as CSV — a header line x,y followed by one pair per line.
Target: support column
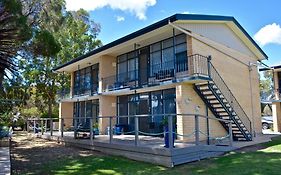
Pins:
x,y
66,112
276,115
107,105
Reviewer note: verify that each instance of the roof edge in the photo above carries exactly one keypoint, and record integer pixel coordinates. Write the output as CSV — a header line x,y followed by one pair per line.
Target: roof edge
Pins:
x,y
159,24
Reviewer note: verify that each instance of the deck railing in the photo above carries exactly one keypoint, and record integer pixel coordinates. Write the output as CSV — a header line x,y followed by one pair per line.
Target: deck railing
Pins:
x,y
196,136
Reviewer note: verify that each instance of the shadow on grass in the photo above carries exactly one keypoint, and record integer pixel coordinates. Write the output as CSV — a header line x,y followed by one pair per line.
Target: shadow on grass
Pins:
x,y
258,162
52,160
233,164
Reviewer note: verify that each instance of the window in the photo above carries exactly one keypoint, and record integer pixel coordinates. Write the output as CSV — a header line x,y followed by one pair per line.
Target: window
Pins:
x,y
127,67
95,78
154,103
86,80
162,56
85,110
181,53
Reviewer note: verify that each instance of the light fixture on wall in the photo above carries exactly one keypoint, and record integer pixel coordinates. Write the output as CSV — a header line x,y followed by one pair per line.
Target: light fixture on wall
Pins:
x,y
197,108
187,101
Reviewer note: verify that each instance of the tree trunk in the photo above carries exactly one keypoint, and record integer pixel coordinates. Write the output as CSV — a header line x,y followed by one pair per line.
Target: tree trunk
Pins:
x,y
1,77
50,108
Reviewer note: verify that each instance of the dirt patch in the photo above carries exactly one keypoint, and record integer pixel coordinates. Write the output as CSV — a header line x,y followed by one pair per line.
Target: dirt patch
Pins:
x,y
28,154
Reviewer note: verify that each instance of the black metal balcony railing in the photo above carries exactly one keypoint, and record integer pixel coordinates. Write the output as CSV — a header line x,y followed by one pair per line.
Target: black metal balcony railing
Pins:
x,y
155,74
195,65
63,94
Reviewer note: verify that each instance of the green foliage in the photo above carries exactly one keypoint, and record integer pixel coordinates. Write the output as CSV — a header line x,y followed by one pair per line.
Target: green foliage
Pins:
x,y
45,44
266,84
14,31
30,112
46,115
6,119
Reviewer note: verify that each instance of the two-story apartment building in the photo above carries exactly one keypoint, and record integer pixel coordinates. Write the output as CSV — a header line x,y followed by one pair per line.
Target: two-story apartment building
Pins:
x,y
183,64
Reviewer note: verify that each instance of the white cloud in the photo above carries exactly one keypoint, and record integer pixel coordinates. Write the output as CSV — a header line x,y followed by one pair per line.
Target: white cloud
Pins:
x,y
270,33
136,7
120,18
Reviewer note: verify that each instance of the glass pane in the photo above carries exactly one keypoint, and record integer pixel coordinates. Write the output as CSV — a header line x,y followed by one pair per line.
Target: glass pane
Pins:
x,y
180,39
155,63
87,84
181,48
169,94
123,109
168,59
132,54
122,58
132,69
168,55
155,47
122,71
168,43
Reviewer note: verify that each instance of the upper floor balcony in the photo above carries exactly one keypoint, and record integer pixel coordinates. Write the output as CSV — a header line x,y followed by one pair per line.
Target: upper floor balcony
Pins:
x,y
194,68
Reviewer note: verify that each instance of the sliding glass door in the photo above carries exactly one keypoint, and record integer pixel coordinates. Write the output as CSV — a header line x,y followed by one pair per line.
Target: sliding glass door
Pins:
x,y
155,104
85,110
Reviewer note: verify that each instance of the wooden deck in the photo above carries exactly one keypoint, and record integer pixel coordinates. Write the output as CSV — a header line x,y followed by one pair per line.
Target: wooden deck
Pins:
x,y
150,149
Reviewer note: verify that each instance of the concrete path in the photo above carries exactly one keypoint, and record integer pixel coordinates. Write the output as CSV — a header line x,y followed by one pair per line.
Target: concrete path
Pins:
x,y
5,164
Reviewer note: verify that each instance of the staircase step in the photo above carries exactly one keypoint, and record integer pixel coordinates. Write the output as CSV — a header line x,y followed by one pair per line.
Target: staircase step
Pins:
x,y
222,109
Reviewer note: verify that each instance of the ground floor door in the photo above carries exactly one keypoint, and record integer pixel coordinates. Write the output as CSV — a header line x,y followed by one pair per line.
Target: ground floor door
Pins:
x,y
155,104
84,111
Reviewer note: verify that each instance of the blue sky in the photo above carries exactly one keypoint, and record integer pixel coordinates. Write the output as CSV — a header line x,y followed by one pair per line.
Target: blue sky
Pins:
x,y
121,17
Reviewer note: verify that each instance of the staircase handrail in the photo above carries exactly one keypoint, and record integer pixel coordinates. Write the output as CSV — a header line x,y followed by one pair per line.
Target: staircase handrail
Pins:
x,y
227,93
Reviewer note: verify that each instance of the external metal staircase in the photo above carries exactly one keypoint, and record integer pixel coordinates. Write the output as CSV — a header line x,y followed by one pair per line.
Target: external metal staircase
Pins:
x,y
223,104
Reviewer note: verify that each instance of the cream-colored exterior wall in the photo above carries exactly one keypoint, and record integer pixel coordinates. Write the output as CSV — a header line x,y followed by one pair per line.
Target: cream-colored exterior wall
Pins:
x,y
107,68
276,106
66,112
242,81
188,102
107,106
220,33
276,116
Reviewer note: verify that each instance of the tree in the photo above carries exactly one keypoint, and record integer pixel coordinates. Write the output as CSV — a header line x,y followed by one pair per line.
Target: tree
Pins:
x,y
71,35
266,85
14,30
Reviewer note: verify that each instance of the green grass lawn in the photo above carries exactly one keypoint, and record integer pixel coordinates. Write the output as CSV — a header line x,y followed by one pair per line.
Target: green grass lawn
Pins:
x,y
264,161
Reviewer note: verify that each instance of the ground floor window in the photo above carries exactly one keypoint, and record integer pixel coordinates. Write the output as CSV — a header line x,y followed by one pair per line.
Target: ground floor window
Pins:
x,y
153,103
84,110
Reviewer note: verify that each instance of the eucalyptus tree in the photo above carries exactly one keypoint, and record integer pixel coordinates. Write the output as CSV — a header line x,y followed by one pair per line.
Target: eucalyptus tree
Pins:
x,y
68,35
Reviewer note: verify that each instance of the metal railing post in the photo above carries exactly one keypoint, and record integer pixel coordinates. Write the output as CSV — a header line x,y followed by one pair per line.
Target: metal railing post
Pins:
x,y
62,126
46,125
196,130
51,126
209,65
75,128
110,130
42,124
34,126
170,131
136,130
230,133
91,130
